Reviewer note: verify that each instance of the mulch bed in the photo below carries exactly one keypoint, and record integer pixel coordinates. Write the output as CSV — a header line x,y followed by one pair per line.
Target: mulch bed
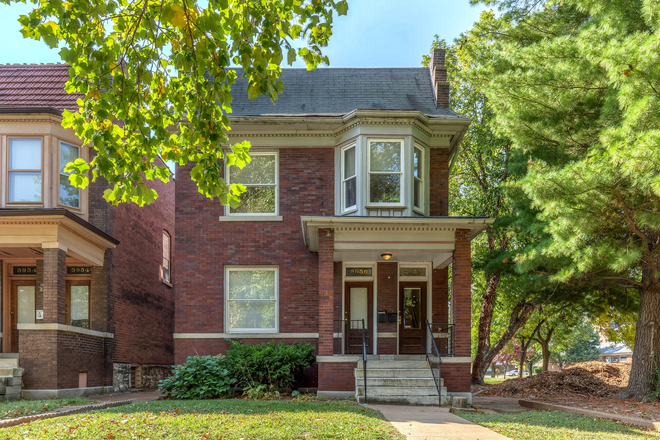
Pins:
x,y
587,385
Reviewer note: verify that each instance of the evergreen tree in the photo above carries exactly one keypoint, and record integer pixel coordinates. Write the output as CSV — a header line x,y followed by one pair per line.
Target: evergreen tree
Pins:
x,y
574,85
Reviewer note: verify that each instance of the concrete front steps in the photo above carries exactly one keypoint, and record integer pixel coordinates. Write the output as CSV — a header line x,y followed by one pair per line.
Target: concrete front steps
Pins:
x,y
399,380
11,377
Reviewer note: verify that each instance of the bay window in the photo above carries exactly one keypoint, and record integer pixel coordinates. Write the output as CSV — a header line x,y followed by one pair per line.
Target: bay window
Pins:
x,y
167,252
24,171
418,178
69,194
260,179
251,299
385,171
349,178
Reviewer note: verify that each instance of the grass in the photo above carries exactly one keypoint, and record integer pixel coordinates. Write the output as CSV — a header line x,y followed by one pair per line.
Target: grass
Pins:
x,y
217,419
553,425
494,380
20,408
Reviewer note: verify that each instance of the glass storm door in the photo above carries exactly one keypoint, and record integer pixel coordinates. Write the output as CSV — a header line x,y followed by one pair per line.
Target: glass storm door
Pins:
x,y
23,308
358,307
412,318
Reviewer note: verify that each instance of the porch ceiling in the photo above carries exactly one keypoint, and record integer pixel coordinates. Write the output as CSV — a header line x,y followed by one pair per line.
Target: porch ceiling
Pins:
x,y
25,233
407,238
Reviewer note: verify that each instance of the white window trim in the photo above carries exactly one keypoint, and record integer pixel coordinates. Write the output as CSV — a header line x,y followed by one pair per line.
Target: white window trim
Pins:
x,y
59,174
41,170
422,172
227,208
402,173
348,209
225,295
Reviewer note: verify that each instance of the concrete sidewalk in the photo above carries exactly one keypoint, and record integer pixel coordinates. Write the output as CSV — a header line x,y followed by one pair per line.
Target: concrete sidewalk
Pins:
x,y
430,423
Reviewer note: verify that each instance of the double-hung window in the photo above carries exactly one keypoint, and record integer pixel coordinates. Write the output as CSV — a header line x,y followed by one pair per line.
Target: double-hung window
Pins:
x,y
69,194
348,179
418,178
24,171
385,171
260,179
251,295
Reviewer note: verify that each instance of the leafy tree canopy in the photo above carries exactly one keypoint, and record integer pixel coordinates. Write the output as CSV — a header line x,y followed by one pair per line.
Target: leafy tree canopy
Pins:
x,y
573,84
156,79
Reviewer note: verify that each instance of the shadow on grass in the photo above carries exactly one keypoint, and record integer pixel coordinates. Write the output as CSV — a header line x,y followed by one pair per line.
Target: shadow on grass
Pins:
x,y
244,406
556,420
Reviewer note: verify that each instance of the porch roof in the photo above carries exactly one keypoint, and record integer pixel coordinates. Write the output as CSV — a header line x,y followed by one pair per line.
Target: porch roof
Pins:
x,y
360,238
50,228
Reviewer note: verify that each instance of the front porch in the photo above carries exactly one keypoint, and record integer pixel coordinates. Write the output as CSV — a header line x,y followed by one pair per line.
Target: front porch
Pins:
x,y
392,274
54,303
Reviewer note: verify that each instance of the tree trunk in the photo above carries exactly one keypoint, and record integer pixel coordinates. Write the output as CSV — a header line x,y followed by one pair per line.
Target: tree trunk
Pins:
x,y
531,371
646,355
483,334
545,347
517,320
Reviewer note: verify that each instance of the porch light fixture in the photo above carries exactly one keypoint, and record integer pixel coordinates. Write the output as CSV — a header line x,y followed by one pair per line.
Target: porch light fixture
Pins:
x,y
386,256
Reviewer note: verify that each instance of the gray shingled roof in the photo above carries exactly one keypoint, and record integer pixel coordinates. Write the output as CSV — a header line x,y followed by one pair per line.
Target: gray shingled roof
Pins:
x,y
337,91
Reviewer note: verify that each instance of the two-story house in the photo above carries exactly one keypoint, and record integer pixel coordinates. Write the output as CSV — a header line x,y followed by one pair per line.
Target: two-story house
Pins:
x,y
85,287
344,222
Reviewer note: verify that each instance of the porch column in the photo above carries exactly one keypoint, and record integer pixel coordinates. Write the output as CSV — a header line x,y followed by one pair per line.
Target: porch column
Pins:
x,y
461,292
54,287
326,291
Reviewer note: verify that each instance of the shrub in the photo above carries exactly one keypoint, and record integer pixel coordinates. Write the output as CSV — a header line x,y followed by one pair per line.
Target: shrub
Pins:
x,y
538,370
275,365
200,377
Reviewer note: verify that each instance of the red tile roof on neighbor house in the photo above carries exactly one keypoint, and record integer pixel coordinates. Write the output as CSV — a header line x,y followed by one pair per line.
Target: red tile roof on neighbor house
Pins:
x,y
36,85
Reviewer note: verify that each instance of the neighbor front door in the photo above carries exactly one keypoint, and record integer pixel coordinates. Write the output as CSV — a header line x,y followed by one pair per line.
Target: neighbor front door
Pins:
x,y
23,308
412,318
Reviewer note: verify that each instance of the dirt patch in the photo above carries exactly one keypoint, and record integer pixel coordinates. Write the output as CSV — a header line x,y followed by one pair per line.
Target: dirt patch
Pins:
x,y
586,379
588,385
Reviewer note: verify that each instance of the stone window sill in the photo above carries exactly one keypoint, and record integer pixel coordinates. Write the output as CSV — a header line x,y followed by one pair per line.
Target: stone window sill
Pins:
x,y
250,218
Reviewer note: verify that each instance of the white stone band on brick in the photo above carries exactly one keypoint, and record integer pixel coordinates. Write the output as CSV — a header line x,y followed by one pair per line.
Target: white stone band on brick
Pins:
x,y
65,328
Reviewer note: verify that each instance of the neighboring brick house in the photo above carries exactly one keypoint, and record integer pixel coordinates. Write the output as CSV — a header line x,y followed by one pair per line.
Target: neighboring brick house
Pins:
x,y
82,284
345,218
613,353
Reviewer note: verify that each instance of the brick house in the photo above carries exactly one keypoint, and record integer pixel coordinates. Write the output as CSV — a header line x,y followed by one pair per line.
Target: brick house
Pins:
x,y
85,300
345,219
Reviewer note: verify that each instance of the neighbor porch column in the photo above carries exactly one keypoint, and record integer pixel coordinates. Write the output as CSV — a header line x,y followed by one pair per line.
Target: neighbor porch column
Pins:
x,y
54,287
326,291
462,292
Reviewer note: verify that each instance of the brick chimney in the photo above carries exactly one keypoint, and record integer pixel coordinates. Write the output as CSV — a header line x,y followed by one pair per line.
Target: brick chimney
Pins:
x,y
439,78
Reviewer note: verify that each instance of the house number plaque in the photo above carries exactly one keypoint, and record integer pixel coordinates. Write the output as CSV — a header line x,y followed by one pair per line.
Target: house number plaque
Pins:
x,y
78,270
25,270
358,271
412,272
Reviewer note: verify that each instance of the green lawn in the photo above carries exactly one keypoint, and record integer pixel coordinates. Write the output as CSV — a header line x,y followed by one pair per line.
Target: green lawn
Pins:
x,y
216,419
552,425
494,380
19,408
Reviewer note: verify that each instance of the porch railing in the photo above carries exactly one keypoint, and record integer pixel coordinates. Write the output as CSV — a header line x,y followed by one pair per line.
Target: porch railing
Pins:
x,y
350,337
442,345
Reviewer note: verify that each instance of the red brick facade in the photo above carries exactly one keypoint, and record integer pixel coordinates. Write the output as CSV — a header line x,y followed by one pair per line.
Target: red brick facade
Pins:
x,y
310,283
127,299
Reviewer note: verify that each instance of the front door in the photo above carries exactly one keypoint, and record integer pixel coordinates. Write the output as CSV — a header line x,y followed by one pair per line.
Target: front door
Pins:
x,y
412,318
23,308
358,307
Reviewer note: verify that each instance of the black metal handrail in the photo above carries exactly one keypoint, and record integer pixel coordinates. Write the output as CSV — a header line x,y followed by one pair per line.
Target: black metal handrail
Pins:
x,y
364,361
347,344
436,352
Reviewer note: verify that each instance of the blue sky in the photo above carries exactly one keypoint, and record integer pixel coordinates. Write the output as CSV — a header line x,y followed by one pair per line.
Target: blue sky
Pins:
x,y
375,33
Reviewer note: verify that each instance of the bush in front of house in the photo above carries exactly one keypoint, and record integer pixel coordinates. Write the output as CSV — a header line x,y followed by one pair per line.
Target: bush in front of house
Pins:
x,y
200,377
277,366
